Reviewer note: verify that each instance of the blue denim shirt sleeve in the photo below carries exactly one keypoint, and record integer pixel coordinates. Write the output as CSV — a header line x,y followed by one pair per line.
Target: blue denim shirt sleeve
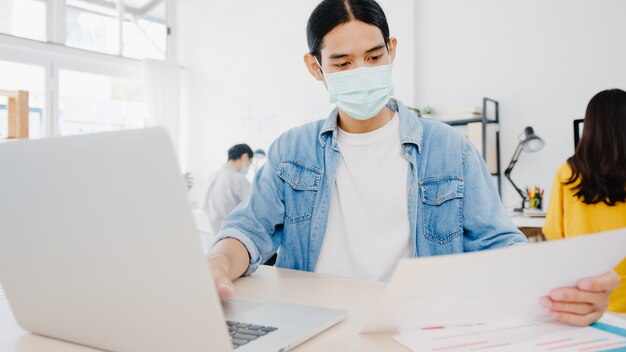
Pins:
x,y
486,224
253,222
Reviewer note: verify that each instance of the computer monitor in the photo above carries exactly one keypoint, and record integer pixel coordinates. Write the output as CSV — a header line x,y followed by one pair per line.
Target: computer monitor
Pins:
x,y
578,131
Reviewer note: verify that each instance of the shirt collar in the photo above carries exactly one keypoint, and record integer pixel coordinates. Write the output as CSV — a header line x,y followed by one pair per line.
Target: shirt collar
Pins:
x,y
411,130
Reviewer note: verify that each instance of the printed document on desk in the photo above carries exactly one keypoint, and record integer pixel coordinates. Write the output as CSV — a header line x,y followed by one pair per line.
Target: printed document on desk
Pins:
x,y
494,286
609,334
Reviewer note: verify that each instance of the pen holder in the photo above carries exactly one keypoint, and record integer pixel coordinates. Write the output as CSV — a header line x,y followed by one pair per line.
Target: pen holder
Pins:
x,y
534,196
534,203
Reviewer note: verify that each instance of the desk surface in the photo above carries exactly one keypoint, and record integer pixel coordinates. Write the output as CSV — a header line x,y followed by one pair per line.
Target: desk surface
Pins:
x,y
357,297
270,284
521,220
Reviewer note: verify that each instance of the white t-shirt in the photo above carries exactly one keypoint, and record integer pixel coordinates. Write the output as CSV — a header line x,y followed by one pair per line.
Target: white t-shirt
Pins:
x,y
368,224
226,189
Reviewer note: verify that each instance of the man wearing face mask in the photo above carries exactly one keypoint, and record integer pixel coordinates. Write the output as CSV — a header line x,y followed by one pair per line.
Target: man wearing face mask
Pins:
x,y
371,184
228,186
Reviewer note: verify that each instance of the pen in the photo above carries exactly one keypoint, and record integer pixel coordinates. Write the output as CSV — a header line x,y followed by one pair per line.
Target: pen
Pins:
x,y
449,326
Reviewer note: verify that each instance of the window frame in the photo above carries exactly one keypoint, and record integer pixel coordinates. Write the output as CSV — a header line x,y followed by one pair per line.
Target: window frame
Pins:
x,y
54,58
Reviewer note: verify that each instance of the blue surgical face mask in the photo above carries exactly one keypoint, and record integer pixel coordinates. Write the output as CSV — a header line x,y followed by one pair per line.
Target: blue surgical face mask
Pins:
x,y
361,93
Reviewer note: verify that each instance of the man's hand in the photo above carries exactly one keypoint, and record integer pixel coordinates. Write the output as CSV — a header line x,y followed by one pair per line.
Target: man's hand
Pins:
x,y
228,260
584,304
219,270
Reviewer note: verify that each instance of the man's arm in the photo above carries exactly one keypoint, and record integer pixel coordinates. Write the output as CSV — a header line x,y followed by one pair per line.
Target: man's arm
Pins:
x,y
486,224
247,238
228,260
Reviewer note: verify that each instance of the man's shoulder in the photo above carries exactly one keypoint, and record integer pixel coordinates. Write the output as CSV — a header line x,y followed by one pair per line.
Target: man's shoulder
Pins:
x,y
440,128
307,131
233,176
300,143
298,138
226,174
443,137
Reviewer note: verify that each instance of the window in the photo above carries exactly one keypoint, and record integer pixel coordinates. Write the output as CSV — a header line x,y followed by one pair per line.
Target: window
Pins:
x,y
105,104
92,27
96,24
131,28
24,77
145,33
23,18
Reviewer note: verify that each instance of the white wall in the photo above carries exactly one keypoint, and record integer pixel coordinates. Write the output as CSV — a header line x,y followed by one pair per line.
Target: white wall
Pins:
x,y
244,79
543,60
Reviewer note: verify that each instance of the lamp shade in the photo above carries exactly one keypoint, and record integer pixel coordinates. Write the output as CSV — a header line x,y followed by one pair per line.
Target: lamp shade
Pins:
x,y
532,143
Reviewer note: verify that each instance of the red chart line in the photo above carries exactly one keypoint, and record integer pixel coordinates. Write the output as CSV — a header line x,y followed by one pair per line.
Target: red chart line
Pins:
x,y
445,348
490,346
576,344
553,342
602,347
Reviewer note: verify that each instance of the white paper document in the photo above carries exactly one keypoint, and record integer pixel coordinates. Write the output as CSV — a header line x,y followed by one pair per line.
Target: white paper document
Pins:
x,y
609,334
497,286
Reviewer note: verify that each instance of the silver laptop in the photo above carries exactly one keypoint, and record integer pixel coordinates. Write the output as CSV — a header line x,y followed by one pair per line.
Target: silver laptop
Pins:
x,y
98,247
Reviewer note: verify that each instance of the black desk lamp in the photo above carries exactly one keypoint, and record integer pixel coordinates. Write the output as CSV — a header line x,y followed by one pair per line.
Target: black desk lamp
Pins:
x,y
530,143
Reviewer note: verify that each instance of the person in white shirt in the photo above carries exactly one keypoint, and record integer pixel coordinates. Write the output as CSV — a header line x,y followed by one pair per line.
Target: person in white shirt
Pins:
x,y
228,186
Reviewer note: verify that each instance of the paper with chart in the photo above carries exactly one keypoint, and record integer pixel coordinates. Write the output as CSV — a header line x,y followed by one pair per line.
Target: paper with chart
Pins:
x,y
495,286
609,334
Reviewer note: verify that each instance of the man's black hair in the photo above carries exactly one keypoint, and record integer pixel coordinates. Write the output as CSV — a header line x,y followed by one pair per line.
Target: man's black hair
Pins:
x,y
332,13
238,150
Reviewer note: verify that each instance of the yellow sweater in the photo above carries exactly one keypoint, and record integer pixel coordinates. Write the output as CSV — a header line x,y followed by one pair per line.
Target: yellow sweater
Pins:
x,y
568,216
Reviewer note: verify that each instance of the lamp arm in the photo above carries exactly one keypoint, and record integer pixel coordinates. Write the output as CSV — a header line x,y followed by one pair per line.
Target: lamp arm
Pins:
x,y
507,172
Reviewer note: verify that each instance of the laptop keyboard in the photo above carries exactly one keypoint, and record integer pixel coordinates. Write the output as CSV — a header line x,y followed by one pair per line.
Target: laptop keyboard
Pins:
x,y
242,333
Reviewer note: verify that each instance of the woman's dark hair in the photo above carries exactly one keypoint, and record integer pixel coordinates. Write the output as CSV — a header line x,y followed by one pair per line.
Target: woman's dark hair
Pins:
x,y
600,157
331,13
238,150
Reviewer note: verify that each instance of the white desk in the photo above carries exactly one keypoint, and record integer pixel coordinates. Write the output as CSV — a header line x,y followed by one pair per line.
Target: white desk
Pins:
x,y
271,284
530,226
520,220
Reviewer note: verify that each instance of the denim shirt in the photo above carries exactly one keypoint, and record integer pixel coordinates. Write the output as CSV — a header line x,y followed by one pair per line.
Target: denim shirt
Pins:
x,y
453,205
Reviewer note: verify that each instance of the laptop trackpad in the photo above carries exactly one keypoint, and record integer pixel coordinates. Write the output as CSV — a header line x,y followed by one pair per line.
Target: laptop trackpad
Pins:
x,y
235,307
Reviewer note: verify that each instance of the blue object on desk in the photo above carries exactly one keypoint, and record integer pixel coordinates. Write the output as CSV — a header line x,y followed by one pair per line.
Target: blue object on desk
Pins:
x,y
610,329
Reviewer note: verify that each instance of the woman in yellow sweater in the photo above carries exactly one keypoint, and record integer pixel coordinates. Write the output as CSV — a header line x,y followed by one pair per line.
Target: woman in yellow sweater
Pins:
x,y
589,191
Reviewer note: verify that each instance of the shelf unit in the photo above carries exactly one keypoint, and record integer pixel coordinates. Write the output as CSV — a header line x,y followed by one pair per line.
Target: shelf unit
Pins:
x,y
485,121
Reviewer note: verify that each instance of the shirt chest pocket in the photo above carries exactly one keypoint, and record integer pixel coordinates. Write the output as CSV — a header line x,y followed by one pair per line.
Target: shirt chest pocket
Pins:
x,y
442,217
302,182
